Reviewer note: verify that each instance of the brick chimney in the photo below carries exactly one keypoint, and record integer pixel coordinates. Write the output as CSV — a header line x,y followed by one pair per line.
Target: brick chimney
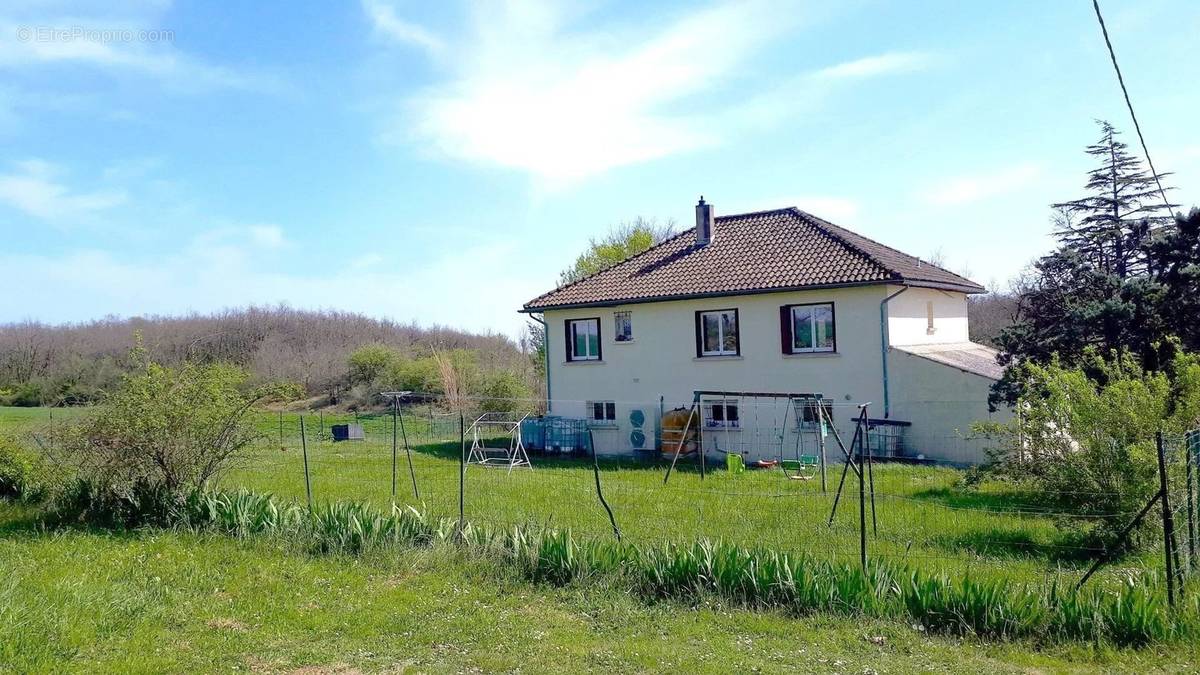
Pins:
x,y
704,223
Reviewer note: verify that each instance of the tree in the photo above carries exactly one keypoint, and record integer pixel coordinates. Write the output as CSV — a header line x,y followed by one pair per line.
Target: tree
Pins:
x,y
1110,226
622,242
1070,306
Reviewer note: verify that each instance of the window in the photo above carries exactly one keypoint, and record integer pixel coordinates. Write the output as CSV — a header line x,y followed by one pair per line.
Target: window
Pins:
x,y
583,340
721,415
807,414
717,333
602,411
807,328
623,326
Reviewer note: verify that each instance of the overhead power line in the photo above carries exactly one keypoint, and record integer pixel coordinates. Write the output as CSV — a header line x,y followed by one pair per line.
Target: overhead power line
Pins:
x,y
1129,104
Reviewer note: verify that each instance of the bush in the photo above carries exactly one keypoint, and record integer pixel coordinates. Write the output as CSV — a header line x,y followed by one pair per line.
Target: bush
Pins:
x,y
1088,446
23,475
504,391
163,435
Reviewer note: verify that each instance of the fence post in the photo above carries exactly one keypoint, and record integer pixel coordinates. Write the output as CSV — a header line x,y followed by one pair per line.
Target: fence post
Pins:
x,y
600,493
1191,503
304,449
862,496
280,429
462,471
1168,523
821,443
395,406
407,453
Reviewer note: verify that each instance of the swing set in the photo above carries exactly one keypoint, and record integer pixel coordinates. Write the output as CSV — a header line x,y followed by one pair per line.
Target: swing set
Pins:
x,y
713,416
489,425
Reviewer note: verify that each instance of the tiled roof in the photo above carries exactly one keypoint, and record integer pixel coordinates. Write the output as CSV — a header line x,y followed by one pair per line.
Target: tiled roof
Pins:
x,y
784,249
969,356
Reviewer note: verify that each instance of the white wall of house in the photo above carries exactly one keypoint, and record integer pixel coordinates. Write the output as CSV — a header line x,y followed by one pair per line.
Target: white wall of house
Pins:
x,y
661,361
941,401
908,317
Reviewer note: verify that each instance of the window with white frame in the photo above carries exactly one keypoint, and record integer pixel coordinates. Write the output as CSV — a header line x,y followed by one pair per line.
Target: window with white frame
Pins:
x,y
721,414
602,412
808,414
583,339
811,328
623,326
717,333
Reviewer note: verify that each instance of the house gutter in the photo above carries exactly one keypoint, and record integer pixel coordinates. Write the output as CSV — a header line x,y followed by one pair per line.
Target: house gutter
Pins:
x,y
546,353
883,348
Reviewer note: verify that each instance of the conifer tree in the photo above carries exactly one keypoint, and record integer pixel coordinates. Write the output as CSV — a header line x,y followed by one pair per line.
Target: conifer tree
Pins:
x,y
1110,227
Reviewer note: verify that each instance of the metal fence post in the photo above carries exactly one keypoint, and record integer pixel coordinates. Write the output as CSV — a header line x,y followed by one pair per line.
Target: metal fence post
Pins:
x,y
462,471
1167,523
1191,503
862,497
304,449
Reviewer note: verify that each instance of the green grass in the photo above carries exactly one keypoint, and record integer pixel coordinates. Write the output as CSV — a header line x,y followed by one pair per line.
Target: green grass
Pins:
x,y
155,601
926,519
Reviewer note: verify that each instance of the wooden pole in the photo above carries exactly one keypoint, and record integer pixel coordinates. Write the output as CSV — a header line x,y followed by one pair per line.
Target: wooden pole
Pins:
x,y
1120,539
600,493
304,449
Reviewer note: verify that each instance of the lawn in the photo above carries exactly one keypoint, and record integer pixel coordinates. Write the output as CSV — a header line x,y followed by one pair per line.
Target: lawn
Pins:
x,y
155,601
83,600
925,516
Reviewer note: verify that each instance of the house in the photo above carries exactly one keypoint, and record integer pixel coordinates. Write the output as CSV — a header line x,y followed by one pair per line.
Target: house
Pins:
x,y
771,302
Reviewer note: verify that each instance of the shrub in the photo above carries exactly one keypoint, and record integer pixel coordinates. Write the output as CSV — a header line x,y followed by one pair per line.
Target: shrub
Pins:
x,y
1088,446
504,391
164,434
23,475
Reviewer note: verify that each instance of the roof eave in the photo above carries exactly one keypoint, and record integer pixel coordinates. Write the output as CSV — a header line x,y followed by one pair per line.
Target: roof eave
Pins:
x,y
528,309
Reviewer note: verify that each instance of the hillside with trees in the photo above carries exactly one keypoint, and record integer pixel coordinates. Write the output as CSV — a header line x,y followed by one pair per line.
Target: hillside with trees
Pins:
x,y
42,364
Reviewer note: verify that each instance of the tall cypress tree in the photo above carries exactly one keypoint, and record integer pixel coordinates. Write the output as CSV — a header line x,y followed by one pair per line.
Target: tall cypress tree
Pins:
x,y
1111,226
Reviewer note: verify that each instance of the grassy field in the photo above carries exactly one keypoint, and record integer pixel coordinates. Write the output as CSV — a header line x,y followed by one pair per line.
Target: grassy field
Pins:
x,y
153,601
925,517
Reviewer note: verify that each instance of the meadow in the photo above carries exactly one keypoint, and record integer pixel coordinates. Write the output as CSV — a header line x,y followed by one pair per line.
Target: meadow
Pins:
x,y
153,600
925,517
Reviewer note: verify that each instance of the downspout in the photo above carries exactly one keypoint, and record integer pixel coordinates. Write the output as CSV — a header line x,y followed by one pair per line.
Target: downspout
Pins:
x,y
883,349
546,352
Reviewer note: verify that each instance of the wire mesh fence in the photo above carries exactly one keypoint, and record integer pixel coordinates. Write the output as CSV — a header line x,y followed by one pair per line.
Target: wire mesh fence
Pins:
x,y
741,476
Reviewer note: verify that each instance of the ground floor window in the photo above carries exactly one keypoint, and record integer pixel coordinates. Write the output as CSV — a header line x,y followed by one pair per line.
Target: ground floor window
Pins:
x,y
602,411
721,414
807,414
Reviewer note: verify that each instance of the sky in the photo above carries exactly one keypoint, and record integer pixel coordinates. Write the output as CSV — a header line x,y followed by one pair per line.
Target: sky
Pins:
x,y
440,163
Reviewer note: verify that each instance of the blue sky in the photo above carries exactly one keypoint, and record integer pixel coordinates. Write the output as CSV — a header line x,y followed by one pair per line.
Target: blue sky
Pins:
x,y
441,162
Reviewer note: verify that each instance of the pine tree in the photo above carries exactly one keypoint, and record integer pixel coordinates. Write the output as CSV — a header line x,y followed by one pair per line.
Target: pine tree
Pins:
x,y
1110,227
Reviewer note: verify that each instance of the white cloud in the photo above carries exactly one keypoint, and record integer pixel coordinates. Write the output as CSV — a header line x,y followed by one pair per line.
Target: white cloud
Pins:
x,y
967,189
533,92
873,66
34,189
385,22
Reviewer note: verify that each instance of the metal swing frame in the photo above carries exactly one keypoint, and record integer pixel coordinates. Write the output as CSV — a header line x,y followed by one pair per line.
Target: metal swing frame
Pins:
x,y
696,415
512,457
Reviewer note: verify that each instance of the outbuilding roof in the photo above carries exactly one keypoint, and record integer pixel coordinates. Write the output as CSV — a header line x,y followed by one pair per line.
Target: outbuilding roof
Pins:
x,y
760,252
970,357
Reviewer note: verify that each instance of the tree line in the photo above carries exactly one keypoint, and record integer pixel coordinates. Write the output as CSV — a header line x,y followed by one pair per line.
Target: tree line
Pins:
x,y
73,364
